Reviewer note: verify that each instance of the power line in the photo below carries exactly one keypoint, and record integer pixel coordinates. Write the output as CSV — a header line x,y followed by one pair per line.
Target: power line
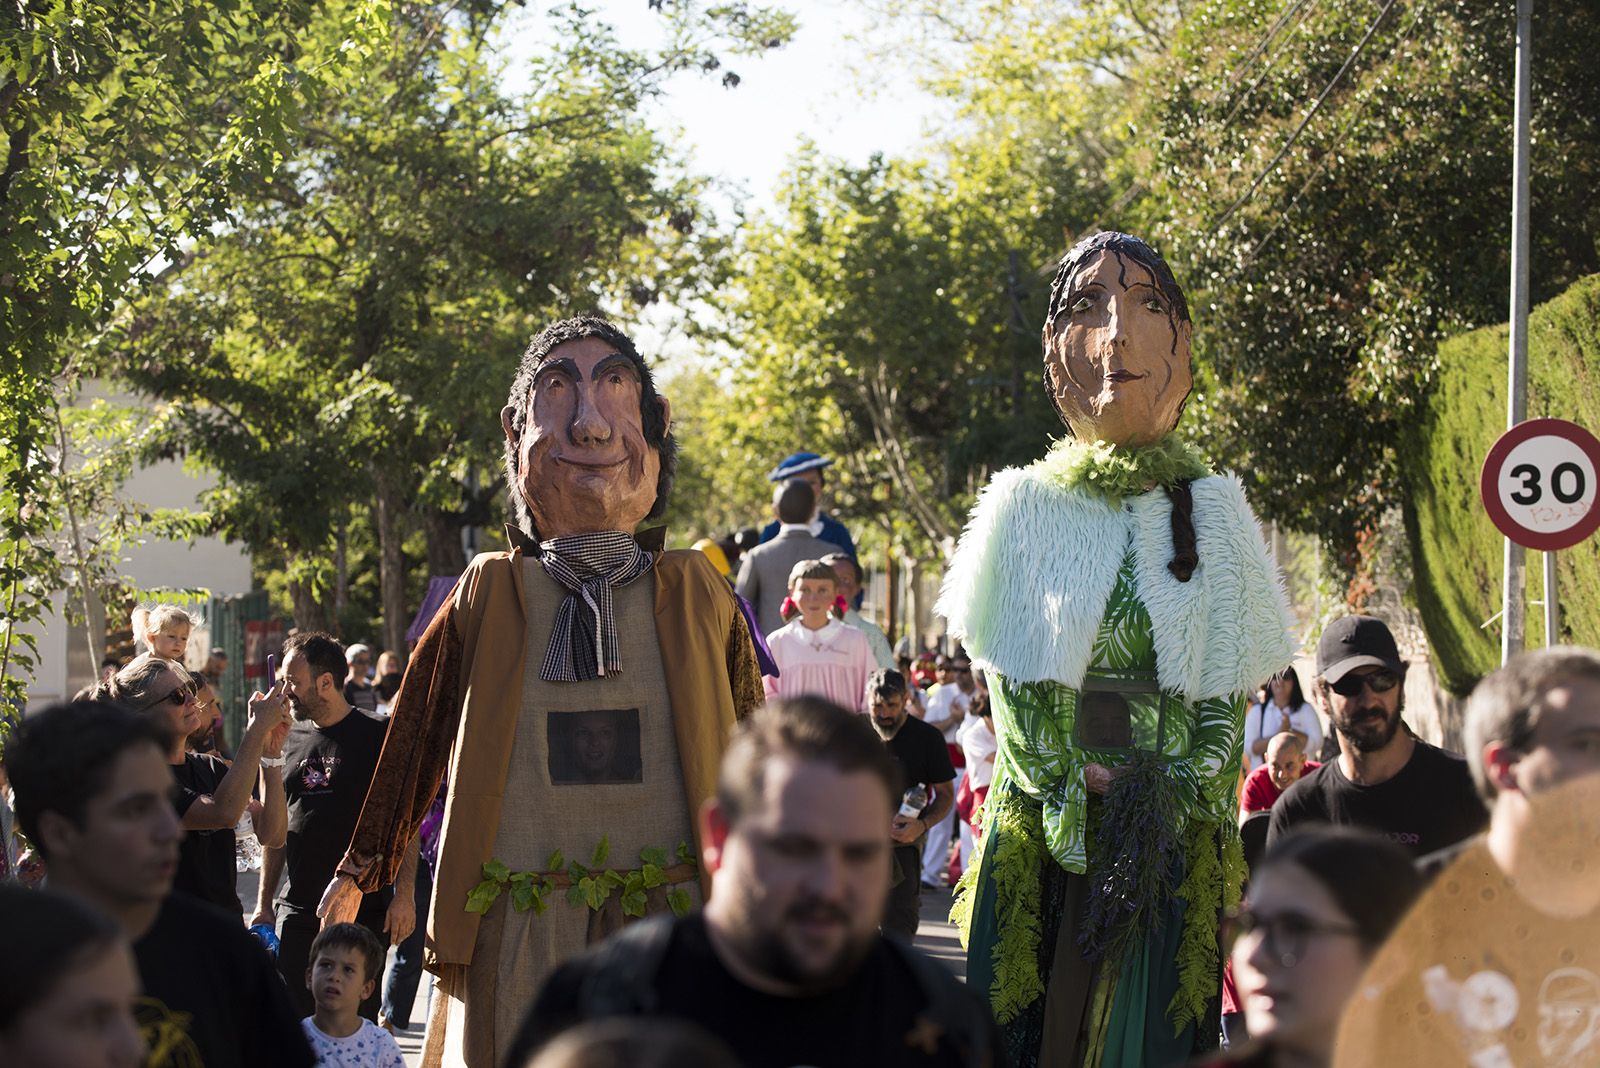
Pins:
x,y
1315,107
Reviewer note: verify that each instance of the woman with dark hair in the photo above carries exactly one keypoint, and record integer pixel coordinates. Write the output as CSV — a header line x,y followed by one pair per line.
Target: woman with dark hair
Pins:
x,y
67,987
1286,711
1321,903
1123,604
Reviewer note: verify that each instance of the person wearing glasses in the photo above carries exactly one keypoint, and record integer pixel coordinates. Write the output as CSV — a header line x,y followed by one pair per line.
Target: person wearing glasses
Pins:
x,y
1385,779
1321,903
211,796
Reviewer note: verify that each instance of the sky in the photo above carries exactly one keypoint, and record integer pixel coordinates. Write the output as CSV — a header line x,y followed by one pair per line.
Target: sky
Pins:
x,y
822,86
811,88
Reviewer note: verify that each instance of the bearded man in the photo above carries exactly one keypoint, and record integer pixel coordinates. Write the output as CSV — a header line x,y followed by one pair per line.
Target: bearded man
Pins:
x,y
1386,779
580,621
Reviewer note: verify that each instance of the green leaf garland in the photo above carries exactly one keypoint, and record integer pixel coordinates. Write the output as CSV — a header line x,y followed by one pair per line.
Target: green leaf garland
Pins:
x,y
1113,472
588,886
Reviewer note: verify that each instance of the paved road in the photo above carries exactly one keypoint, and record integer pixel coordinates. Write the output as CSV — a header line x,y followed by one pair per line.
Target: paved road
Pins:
x,y
935,936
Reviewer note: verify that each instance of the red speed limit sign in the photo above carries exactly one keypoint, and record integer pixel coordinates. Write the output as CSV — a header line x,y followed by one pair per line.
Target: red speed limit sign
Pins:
x,y
1540,483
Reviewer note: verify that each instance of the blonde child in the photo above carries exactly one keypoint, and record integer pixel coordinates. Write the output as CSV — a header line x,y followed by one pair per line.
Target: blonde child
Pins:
x,y
346,962
164,629
815,651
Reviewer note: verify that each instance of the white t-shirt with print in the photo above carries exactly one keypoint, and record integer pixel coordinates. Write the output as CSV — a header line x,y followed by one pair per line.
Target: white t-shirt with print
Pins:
x,y
369,1047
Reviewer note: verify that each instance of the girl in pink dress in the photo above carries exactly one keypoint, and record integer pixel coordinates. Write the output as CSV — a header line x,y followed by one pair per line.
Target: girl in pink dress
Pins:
x,y
815,652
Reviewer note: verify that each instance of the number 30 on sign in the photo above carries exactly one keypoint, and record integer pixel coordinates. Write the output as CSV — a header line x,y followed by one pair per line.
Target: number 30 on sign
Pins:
x,y
1540,484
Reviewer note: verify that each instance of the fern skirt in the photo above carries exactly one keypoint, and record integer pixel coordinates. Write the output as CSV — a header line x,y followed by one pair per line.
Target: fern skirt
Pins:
x,y
1105,1015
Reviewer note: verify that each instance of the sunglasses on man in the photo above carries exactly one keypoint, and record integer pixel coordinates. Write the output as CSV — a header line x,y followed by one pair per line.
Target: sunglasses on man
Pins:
x,y
1381,681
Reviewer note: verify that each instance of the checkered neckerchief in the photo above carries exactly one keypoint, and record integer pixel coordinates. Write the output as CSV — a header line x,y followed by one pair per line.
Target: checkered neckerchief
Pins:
x,y
583,644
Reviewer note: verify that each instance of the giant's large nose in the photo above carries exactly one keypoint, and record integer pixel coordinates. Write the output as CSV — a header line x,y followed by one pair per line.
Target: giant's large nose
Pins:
x,y
1117,319
589,424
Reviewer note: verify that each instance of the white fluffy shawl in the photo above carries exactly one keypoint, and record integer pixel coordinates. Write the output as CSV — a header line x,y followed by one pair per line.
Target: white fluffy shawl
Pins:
x,y
1036,564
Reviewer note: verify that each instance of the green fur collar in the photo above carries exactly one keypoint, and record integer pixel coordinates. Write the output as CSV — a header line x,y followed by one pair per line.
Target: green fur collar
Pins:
x,y
1113,472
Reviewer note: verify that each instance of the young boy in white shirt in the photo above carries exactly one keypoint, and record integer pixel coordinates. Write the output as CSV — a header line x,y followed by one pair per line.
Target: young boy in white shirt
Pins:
x,y
346,962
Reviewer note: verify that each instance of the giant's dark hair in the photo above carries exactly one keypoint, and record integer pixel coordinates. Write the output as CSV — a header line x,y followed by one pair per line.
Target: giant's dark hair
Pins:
x,y
807,728
44,938
60,757
656,433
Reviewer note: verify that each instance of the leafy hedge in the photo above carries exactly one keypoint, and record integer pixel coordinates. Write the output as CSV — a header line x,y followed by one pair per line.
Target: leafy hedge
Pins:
x,y
1456,551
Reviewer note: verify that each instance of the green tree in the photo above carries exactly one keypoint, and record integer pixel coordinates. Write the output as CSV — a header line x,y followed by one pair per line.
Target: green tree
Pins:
x,y
1334,180
340,354
128,131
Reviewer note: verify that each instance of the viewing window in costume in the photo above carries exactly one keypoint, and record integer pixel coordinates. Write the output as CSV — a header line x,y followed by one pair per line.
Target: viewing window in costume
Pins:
x,y
1123,603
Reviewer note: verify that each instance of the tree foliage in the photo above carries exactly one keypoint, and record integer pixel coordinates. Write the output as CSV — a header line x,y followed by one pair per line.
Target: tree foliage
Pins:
x,y
1334,180
1456,550
340,353
128,130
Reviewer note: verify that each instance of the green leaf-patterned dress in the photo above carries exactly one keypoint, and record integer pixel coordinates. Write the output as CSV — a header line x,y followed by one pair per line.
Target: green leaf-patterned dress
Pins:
x,y
1039,824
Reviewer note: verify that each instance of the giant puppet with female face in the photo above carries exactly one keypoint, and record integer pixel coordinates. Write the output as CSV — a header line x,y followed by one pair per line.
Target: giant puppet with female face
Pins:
x,y
1122,601
577,691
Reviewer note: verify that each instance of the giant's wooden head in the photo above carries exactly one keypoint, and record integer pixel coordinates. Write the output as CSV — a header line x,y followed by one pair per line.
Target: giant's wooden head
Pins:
x,y
588,440
1116,342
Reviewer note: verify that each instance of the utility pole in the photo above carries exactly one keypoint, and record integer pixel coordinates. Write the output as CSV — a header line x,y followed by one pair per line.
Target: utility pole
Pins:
x,y
1512,609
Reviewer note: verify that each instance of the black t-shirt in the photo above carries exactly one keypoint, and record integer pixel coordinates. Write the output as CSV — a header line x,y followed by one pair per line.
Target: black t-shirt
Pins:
x,y
206,867
922,755
326,774
878,1018
1429,805
212,996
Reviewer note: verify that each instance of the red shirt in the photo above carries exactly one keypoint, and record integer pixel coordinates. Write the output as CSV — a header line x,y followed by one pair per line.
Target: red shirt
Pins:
x,y
1260,791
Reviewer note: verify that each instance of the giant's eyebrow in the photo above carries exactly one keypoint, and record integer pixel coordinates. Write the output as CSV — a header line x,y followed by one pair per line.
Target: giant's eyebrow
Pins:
x,y
611,361
566,365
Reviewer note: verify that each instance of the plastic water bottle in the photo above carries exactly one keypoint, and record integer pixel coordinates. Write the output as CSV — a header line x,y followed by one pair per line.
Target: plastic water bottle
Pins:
x,y
915,800
268,936
246,846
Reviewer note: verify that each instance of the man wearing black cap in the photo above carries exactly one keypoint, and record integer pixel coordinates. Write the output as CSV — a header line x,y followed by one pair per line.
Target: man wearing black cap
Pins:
x,y
1385,779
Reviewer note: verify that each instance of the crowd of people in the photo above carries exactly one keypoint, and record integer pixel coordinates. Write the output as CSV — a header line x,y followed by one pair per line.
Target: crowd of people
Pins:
x,y
1341,952
631,806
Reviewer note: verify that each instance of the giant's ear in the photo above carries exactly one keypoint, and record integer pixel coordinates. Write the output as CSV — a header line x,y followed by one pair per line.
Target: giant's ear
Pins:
x,y
666,414
506,414
713,833
1500,765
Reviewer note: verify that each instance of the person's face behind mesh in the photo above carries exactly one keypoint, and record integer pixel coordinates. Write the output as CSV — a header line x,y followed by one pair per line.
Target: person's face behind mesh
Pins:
x,y
801,882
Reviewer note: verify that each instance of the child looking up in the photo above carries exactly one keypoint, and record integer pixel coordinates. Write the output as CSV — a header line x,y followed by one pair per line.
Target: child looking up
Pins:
x,y
346,961
164,628
815,652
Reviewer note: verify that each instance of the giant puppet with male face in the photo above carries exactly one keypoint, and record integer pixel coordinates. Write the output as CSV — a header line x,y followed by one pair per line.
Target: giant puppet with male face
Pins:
x,y
578,691
1122,601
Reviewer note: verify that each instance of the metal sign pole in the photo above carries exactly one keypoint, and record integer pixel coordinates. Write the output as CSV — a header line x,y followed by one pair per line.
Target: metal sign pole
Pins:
x,y
1552,610
1512,612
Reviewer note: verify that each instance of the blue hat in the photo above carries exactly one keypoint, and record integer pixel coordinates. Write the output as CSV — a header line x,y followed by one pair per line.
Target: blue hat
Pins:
x,y
794,465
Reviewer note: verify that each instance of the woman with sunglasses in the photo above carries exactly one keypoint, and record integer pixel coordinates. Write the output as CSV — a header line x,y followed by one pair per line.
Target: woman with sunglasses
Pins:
x,y
1320,904
211,795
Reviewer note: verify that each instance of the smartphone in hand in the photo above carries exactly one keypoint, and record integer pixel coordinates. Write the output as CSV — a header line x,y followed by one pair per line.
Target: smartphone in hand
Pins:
x,y
272,670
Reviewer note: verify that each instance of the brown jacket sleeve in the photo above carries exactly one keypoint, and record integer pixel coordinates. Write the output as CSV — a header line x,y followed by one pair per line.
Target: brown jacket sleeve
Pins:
x,y
422,729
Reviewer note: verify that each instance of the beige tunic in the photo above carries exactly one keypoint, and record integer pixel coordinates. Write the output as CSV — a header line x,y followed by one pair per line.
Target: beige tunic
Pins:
x,y
590,759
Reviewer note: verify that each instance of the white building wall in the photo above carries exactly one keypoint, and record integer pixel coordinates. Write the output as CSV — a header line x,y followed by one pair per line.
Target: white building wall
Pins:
x,y
205,563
